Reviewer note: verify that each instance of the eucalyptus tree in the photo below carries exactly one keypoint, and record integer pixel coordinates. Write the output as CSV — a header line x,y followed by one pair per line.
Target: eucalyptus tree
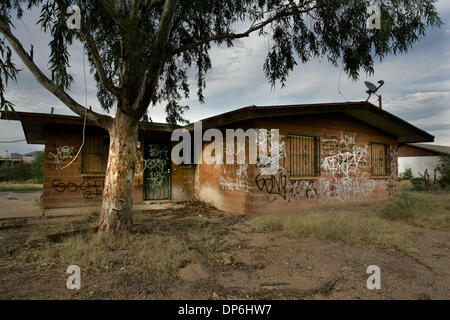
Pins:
x,y
142,52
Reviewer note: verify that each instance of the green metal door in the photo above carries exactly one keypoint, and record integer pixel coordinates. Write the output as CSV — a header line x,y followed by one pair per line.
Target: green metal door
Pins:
x,y
157,178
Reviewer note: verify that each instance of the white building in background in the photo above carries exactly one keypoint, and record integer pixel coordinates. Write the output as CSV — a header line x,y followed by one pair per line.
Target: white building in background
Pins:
x,y
420,157
7,159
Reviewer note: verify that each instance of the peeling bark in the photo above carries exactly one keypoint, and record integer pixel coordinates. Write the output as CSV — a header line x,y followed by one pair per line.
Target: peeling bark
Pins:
x,y
117,205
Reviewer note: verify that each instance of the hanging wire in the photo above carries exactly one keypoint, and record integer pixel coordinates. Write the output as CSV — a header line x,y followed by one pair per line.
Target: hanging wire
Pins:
x,y
85,112
339,83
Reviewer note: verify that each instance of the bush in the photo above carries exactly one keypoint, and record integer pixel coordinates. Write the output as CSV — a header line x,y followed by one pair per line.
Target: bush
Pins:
x,y
25,172
407,175
444,169
418,184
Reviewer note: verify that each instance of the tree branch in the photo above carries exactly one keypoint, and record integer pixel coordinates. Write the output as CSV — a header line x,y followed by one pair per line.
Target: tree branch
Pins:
x,y
114,8
151,76
99,119
93,50
254,27
139,9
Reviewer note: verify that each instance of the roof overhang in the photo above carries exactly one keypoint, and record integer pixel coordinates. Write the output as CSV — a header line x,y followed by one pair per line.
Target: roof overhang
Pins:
x,y
363,111
33,124
437,149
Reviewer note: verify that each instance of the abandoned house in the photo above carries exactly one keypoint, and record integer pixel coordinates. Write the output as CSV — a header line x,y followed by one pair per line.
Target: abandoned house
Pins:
x,y
334,153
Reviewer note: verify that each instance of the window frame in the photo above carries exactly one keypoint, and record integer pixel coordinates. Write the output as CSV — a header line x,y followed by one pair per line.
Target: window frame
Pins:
x,y
316,156
387,160
85,153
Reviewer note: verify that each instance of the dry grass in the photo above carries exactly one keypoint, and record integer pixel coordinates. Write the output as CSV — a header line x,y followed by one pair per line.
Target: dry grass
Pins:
x,y
209,247
426,210
355,228
160,256
17,187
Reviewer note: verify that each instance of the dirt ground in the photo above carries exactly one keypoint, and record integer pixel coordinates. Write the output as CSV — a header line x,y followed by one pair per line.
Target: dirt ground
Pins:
x,y
249,265
19,204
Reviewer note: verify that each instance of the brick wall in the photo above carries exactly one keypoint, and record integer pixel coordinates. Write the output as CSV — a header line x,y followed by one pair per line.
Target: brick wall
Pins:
x,y
409,151
68,187
345,170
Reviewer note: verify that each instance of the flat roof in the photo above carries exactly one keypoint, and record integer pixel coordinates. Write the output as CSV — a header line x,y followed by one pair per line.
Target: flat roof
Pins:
x,y
33,123
430,147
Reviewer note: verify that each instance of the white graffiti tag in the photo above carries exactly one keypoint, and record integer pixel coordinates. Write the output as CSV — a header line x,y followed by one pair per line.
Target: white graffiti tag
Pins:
x,y
343,164
235,184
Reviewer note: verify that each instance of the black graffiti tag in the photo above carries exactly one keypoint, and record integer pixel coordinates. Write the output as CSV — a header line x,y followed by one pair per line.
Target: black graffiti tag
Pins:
x,y
272,184
91,188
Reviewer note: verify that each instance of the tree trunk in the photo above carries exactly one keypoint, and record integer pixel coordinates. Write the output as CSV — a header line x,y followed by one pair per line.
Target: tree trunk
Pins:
x,y
117,205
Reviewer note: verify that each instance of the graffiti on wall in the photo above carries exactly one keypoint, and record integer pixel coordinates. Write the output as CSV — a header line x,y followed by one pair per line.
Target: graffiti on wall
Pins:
x,y
61,154
346,189
345,163
235,184
345,173
274,184
275,181
91,187
265,158
300,189
156,164
345,167
238,182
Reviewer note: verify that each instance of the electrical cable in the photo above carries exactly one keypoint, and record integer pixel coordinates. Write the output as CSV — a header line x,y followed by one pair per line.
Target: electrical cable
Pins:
x,y
85,112
339,83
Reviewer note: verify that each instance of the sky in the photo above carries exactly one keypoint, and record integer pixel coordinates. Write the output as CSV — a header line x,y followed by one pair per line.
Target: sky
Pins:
x,y
417,83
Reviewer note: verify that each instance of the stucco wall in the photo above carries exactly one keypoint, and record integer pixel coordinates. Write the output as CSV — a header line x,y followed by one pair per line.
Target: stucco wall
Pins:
x,y
345,171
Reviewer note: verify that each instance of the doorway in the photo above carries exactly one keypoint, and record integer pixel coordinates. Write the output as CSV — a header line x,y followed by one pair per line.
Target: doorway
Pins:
x,y
157,175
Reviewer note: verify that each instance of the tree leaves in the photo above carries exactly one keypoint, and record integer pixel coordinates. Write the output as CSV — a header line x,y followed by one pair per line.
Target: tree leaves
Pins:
x,y
125,32
8,71
175,113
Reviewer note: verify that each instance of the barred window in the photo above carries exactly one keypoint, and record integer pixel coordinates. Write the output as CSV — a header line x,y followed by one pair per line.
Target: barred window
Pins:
x,y
304,155
95,154
380,159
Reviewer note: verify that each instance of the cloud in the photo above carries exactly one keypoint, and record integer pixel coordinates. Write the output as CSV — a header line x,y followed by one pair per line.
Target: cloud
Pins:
x,y
417,84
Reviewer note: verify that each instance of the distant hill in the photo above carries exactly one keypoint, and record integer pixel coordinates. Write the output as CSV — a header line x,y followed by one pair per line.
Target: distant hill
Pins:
x,y
15,155
34,153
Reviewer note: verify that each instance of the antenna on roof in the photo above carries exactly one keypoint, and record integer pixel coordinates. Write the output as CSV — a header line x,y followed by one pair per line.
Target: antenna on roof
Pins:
x,y
373,89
